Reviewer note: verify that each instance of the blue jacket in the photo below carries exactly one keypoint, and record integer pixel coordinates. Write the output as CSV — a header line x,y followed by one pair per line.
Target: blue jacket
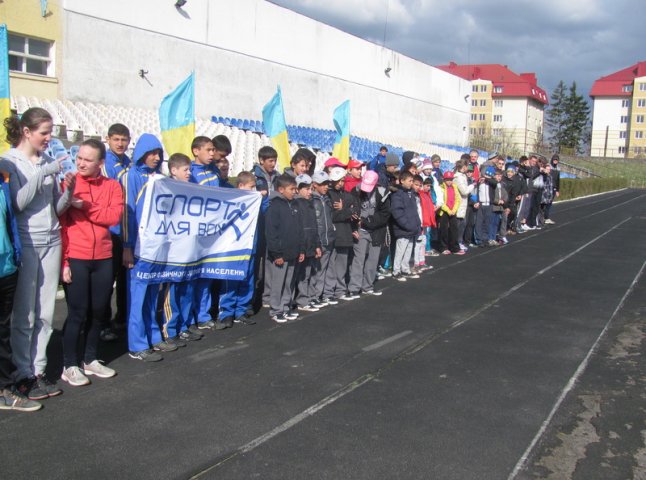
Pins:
x,y
284,230
207,175
403,208
11,224
114,167
134,183
376,162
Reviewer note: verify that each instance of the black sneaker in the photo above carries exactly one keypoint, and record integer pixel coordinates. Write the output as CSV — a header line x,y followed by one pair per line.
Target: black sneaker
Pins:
x,y
292,315
332,301
400,277
374,292
108,335
167,346
190,336
245,320
279,318
14,400
41,386
350,296
222,324
178,341
146,355
208,325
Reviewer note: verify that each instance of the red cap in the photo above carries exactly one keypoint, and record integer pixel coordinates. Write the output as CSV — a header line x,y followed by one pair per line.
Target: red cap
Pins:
x,y
355,164
334,162
448,176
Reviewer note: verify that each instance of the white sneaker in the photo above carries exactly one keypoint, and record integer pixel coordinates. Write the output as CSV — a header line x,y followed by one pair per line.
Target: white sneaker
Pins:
x,y
74,376
98,369
549,221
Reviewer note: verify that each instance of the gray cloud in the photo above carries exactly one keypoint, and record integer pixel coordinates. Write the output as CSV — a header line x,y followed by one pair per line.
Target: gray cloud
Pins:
x,y
578,40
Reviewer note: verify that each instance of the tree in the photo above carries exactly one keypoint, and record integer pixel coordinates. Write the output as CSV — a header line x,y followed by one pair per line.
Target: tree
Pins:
x,y
568,119
555,116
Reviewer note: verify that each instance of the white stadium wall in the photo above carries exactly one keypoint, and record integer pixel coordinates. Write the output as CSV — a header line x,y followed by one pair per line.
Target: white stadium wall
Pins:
x,y
240,50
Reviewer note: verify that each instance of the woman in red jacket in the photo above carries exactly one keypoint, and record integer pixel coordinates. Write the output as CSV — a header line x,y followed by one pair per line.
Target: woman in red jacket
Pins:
x,y
97,204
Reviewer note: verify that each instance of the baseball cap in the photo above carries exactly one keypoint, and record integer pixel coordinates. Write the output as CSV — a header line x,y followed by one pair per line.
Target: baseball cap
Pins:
x,y
369,181
355,164
448,175
320,177
392,159
333,162
337,173
303,178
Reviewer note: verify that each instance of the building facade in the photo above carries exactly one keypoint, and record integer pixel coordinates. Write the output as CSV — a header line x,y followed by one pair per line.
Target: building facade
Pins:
x,y
619,113
506,108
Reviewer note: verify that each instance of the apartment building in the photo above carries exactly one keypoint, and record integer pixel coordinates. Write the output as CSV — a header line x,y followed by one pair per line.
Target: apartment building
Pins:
x,y
619,112
506,107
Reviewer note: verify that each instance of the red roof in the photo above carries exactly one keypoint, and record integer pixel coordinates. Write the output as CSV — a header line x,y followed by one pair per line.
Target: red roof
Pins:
x,y
513,85
613,85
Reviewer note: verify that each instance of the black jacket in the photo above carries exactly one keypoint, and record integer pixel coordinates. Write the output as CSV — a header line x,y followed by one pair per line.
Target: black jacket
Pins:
x,y
323,210
310,228
377,223
515,186
529,174
342,218
283,230
403,208
556,179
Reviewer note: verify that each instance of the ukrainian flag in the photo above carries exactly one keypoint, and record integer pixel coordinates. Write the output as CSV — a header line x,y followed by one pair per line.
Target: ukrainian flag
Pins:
x,y
273,117
341,119
177,118
5,99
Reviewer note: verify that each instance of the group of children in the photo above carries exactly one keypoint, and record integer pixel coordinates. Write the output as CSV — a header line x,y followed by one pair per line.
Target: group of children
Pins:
x,y
323,236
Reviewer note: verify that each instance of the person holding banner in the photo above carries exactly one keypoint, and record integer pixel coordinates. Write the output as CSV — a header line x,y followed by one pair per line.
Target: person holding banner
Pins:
x,y
87,264
144,335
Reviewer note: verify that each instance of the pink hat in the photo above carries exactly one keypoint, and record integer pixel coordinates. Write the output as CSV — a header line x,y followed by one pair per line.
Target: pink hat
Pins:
x,y
369,181
333,162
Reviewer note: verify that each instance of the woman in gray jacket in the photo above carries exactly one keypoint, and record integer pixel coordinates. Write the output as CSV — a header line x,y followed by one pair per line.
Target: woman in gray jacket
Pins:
x,y
37,202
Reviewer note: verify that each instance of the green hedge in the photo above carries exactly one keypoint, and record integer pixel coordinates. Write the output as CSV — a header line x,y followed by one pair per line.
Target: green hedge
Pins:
x,y
579,187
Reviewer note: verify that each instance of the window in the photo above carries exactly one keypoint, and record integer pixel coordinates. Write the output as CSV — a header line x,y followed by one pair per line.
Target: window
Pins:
x,y
497,103
642,87
622,149
639,134
497,132
625,103
624,119
474,88
474,116
481,131
639,119
497,90
622,135
481,117
483,88
30,55
641,102
627,88
472,131
638,150
483,103
474,103
497,118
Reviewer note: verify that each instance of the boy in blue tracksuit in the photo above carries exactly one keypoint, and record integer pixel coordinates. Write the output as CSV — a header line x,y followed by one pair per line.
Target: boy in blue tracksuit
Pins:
x,y
144,335
236,296
115,166
203,172
177,314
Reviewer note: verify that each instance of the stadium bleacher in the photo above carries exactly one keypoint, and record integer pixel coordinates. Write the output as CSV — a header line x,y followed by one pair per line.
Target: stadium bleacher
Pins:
x,y
75,121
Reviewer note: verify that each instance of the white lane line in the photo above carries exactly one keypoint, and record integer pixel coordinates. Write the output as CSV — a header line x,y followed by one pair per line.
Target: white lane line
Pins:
x,y
368,377
386,341
559,202
416,348
577,374
291,422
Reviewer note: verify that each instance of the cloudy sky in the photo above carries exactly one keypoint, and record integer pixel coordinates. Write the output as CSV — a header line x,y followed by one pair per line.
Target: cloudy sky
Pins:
x,y
569,40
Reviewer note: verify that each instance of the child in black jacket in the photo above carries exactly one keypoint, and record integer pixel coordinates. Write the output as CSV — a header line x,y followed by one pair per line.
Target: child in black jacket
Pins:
x,y
285,248
305,299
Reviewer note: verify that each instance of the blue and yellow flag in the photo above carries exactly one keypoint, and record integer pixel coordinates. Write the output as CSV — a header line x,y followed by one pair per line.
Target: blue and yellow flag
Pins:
x,y
177,118
341,119
273,116
5,99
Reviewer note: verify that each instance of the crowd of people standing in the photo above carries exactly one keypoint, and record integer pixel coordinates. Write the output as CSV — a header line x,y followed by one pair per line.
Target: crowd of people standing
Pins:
x,y
325,234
